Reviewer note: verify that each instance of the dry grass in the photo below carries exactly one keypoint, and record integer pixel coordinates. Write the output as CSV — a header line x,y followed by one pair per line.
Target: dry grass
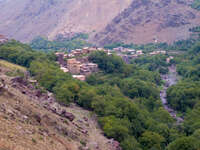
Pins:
x,y
16,134
11,66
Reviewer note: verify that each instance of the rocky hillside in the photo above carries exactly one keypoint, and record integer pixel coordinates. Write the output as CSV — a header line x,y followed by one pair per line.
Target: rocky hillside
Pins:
x,y
147,21
137,21
31,119
25,19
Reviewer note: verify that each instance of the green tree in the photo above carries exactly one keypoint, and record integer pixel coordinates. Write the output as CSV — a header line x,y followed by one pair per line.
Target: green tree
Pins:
x,y
67,92
151,141
184,143
130,143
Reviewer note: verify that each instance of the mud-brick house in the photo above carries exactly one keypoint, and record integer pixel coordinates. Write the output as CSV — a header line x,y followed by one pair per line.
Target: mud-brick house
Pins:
x,y
88,68
85,50
60,58
92,49
139,52
74,66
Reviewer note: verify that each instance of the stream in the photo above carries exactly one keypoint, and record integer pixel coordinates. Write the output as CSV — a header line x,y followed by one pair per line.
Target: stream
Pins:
x,y
170,79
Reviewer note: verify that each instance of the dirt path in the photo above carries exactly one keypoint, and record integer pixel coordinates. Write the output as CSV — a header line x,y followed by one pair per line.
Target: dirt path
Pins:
x,y
171,79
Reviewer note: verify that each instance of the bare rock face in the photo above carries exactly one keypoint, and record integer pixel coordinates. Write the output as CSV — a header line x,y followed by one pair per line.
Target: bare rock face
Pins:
x,y
25,19
145,21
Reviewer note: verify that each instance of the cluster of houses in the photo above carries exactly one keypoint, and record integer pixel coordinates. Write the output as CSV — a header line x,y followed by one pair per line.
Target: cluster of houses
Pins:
x,y
76,62
127,54
79,67
3,39
85,51
128,51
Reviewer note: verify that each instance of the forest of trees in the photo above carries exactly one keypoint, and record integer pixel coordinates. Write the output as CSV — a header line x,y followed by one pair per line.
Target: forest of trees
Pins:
x,y
186,94
125,97
152,63
60,44
182,45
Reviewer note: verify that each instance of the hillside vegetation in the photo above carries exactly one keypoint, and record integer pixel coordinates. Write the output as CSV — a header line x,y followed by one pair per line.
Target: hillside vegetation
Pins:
x,y
30,118
61,44
11,66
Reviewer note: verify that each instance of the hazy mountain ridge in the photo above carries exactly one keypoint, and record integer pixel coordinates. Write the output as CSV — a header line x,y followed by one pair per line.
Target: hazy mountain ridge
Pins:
x,y
26,19
147,21
129,21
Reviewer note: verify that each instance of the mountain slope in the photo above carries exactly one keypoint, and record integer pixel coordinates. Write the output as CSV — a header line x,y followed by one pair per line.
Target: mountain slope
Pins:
x,y
25,19
146,21
31,119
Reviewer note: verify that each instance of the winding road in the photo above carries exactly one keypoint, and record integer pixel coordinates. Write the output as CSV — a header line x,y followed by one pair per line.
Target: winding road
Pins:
x,y
171,79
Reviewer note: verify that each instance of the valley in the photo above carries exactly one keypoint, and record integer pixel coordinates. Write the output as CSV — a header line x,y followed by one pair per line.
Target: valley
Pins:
x,y
120,100
100,75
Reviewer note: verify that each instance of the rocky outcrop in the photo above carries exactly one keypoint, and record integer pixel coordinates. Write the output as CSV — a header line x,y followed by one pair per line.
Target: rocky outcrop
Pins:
x,y
146,21
45,99
68,115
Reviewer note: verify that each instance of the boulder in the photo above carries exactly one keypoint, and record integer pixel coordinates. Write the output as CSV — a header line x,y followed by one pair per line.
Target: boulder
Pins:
x,y
68,115
55,107
37,117
19,80
85,119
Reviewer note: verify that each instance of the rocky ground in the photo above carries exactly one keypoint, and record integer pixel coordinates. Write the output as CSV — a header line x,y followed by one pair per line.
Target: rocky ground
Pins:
x,y
31,119
170,79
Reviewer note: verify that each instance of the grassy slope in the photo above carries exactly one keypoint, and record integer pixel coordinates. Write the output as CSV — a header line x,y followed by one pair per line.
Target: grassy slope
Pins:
x,y
11,66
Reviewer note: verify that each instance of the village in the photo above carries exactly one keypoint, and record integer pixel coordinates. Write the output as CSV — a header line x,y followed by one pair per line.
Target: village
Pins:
x,y
76,62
